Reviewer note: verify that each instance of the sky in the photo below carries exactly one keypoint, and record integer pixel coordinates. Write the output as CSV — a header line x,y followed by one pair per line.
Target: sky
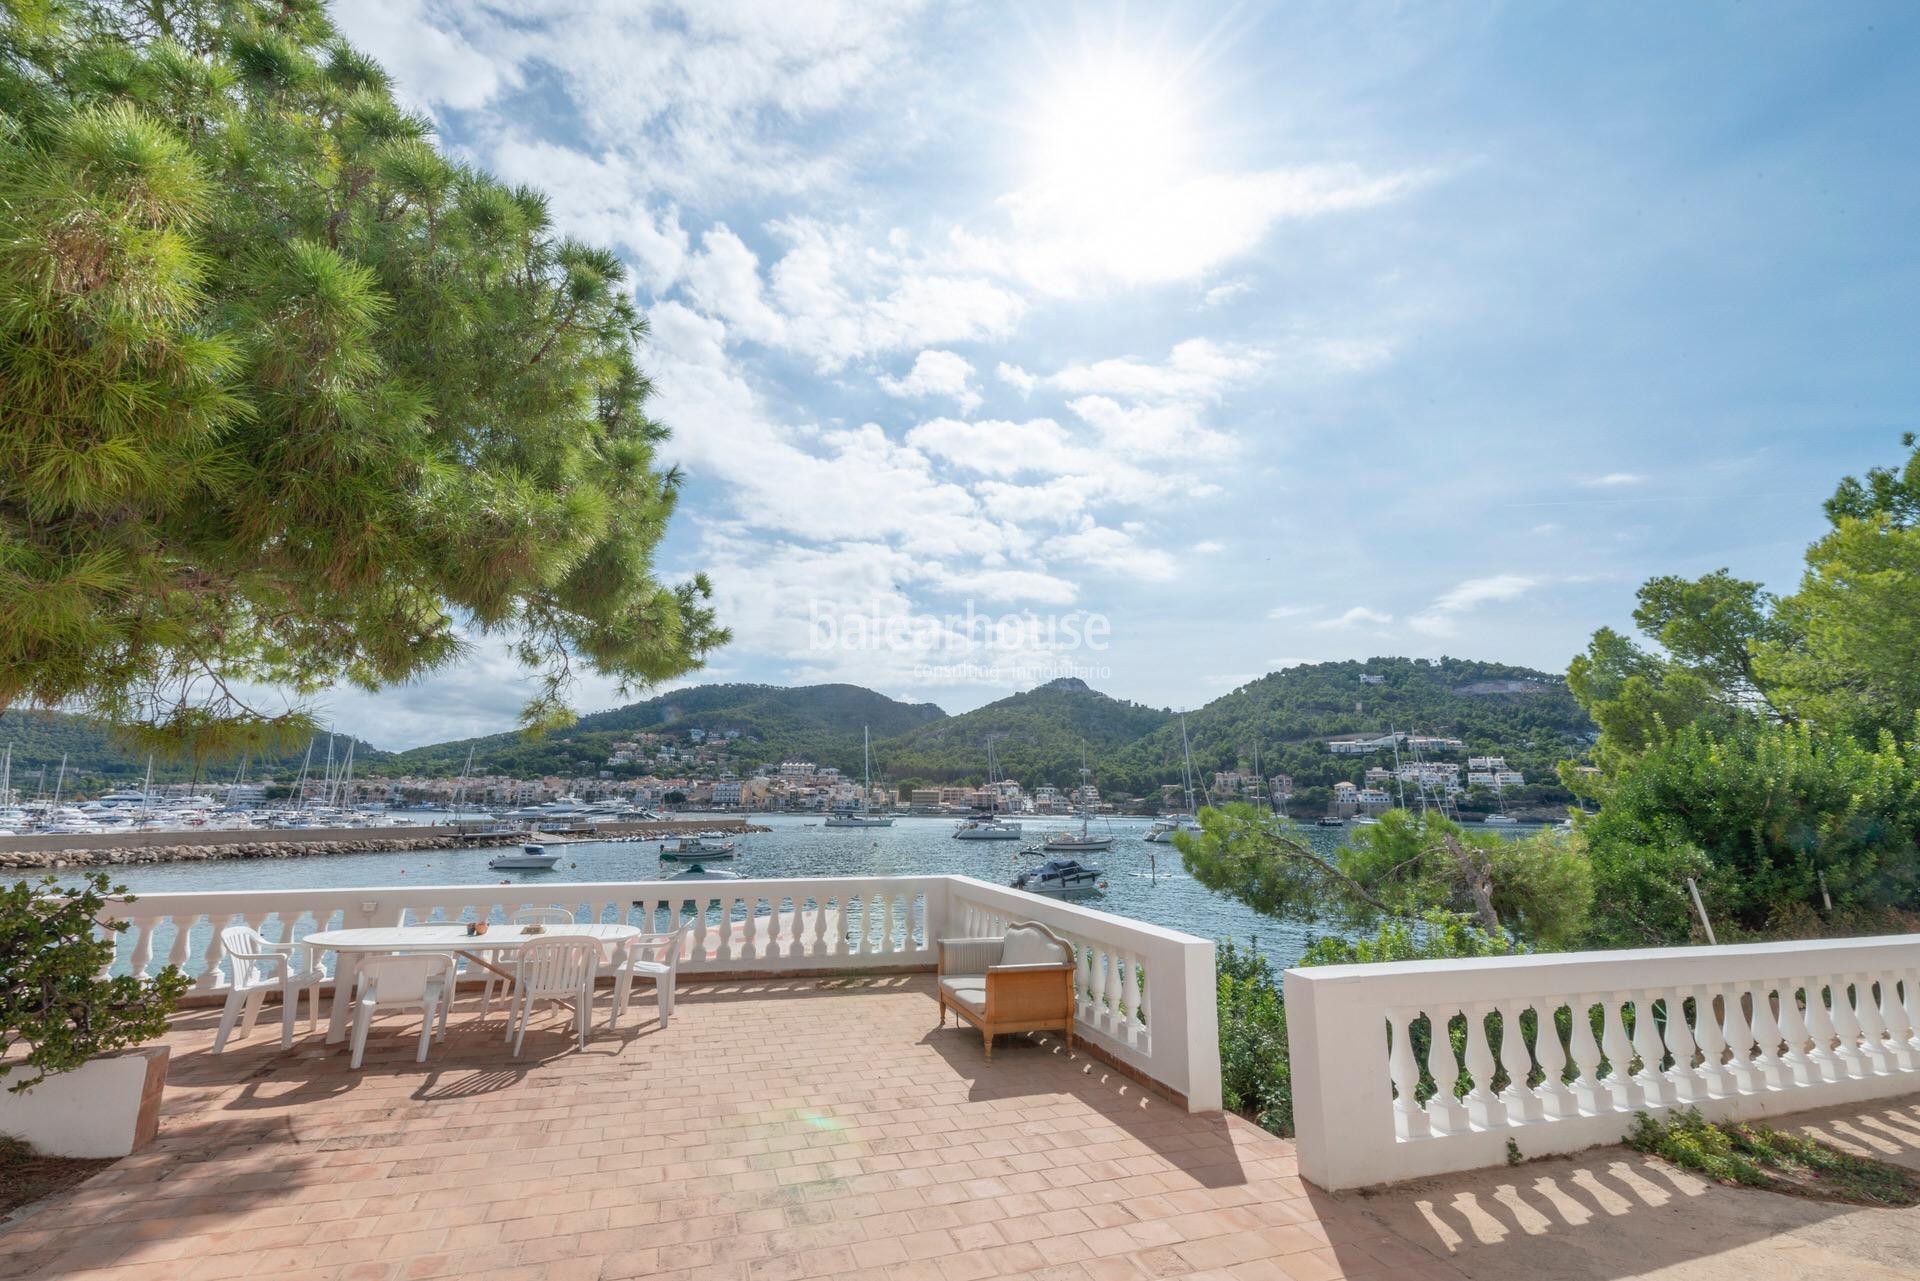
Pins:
x,y
1167,346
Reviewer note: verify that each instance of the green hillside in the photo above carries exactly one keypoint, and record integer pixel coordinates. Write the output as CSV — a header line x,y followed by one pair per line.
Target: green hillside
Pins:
x,y
1525,715
821,723
97,760
1038,737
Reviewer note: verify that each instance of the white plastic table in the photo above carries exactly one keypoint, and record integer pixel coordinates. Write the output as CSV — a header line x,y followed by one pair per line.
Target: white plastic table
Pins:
x,y
350,945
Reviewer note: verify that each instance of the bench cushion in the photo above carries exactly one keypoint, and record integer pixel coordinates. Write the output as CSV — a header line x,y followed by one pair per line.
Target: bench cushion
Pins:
x,y
969,990
1031,945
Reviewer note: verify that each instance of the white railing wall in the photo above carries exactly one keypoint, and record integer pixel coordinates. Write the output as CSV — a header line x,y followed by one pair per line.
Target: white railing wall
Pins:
x,y
1146,994
1738,1032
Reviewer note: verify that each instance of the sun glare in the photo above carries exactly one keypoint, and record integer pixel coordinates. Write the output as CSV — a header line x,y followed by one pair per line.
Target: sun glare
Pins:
x,y
1109,131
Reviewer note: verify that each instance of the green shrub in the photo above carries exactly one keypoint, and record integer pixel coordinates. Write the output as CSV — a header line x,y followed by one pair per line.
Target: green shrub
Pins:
x,y
1758,1157
52,998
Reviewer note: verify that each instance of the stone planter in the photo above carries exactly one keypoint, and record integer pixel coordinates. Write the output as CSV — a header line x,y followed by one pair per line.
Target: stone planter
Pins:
x,y
108,1107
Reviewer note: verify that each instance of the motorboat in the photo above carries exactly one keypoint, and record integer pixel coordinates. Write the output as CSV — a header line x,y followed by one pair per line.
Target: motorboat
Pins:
x,y
695,872
1161,833
690,849
1365,820
1330,820
991,828
1060,876
530,858
1500,820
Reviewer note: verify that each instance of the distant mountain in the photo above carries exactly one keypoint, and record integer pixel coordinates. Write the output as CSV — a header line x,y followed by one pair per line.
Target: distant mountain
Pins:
x,y
95,756
1038,736
820,723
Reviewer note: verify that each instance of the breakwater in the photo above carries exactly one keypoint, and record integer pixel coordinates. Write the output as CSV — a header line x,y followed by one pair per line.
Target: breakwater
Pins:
x,y
123,849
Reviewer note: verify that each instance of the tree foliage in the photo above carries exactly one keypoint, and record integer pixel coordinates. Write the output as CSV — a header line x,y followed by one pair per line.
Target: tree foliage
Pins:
x,y
1409,867
52,998
1764,746
290,398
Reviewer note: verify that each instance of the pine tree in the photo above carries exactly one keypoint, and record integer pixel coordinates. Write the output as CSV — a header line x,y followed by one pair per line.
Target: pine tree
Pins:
x,y
288,397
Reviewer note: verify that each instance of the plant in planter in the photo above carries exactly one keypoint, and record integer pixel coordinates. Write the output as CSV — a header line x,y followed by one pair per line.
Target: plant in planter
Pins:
x,y
71,1021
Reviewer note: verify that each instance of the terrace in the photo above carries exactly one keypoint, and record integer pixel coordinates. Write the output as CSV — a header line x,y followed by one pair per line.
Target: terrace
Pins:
x,y
803,1115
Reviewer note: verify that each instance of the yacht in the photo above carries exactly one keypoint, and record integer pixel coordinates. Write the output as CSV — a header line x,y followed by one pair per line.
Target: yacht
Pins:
x,y
1082,841
1161,833
1365,820
529,858
986,828
1330,820
989,826
1059,876
1500,820
125,796
693,848
860,817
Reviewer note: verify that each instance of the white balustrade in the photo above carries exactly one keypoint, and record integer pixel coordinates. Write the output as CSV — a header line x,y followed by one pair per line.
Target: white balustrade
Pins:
x,y
1738,1032
1146,994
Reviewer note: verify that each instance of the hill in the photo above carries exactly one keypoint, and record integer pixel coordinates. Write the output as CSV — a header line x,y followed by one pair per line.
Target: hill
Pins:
x,y
1038,736
97,760
820,723
1528,716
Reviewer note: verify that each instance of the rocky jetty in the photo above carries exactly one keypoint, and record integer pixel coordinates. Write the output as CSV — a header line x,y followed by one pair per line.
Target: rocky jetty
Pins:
x,y
189,853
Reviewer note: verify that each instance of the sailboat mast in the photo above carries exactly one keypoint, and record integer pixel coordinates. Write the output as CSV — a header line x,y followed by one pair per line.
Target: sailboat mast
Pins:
x,y
60,778
146,787
300,788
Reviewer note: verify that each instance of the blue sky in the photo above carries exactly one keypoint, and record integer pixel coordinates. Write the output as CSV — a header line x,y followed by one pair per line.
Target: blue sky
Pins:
x,y
1264,334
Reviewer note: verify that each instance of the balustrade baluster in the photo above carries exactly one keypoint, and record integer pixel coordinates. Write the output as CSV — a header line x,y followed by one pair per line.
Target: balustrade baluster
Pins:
x,y
1084,1008
1683,1083
1589,1089
1130,995
1800,1069
1102,982
1623,1093
725,942
1910,1002
1893,1017
1712,1015
817,942
1859,1050
1521,1103
1409,1118
140,954
1556,1099
1445,1113
1774,1072
1484,1107
1819,1023
1657,1090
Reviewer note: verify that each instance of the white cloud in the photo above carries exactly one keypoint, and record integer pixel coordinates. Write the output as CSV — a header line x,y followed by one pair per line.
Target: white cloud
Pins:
x,y
1355,617
1441,617
1197,369
1063,240
1112,551
1208,547
724,278
1613,480
1545,527
1016,377
1222,294
432,62
936,373
1159,431
1289,611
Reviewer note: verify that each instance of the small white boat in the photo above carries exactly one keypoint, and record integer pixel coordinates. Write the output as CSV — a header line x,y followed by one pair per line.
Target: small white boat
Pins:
x,y
531,858
1365,820
1161,833
1058,877
854,818
695,872
694,848
1500,820
987,829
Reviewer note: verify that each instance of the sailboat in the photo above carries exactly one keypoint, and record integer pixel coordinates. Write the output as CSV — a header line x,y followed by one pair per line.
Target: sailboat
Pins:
x,y
991,827
860,817
1161,833
1072,843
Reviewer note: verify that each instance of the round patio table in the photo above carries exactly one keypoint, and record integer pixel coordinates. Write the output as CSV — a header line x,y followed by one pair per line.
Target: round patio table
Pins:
x,y
452,937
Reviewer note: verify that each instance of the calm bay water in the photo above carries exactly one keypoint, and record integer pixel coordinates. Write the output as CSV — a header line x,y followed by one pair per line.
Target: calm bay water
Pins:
x,y
1144,881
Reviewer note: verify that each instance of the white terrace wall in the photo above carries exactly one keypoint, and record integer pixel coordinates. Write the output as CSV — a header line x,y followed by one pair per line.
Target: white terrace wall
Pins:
x,y
1146,993
1738,1032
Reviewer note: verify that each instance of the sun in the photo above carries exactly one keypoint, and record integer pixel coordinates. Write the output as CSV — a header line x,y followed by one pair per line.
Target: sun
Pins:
x,y
1111,130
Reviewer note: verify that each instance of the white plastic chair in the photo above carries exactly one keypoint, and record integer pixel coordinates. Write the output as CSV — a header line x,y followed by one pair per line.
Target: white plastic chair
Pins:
x,y
260,966
561,970
555,915
413,981
663,969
